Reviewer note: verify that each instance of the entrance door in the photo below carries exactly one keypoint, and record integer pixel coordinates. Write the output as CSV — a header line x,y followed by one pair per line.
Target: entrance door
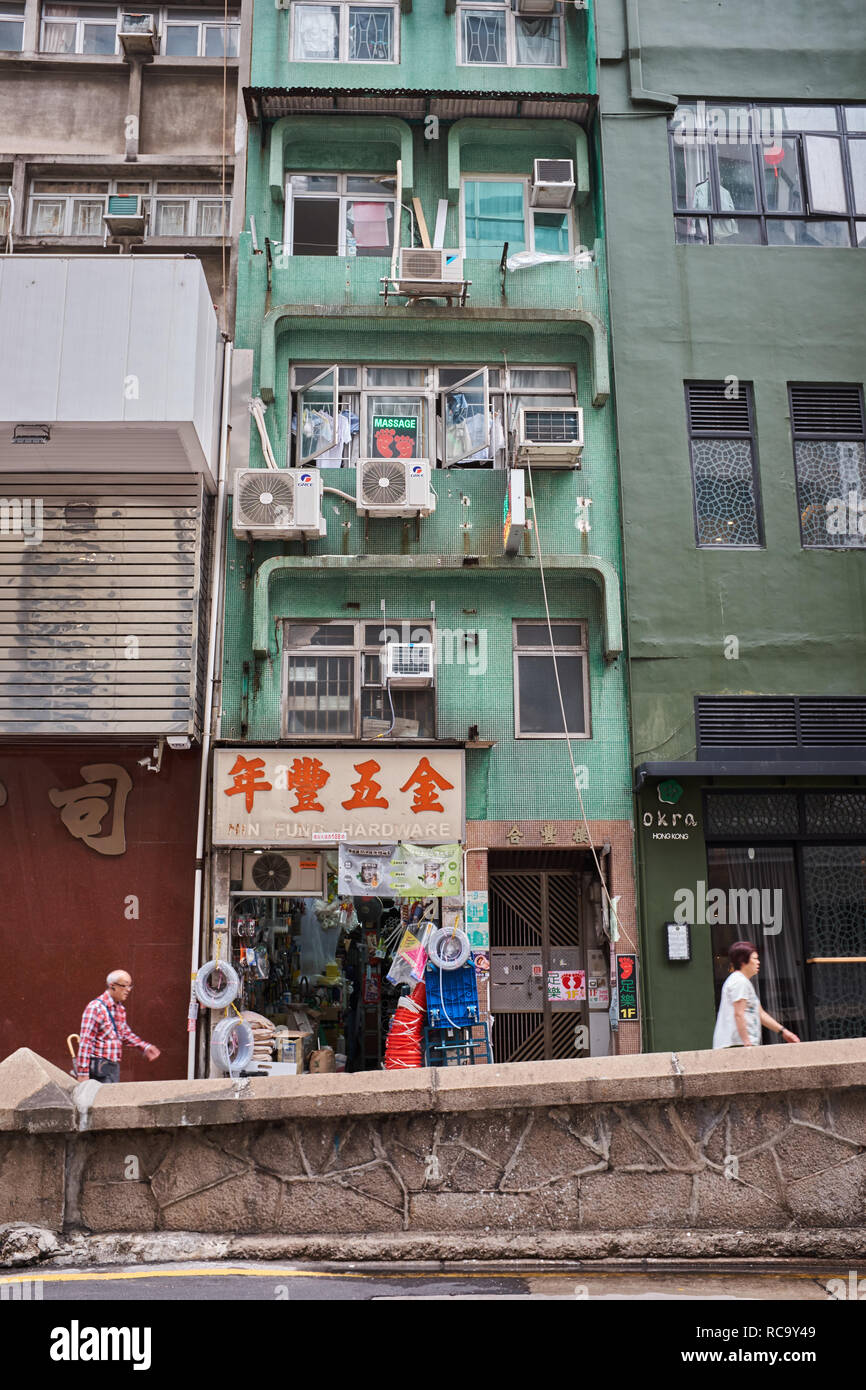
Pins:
x,y
536,945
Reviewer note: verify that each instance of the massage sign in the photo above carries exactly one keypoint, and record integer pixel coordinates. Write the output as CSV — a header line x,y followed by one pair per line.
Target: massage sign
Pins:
x,y
395,436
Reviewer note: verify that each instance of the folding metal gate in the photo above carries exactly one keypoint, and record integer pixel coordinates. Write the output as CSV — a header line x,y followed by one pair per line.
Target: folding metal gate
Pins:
x,y
535,929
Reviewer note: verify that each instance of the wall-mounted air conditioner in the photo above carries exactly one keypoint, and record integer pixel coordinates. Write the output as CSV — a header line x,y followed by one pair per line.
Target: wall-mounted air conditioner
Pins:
x,y
535,6
138,34
422,268
550,438
552,183
124,217
394,487
281,504
295,873
409,664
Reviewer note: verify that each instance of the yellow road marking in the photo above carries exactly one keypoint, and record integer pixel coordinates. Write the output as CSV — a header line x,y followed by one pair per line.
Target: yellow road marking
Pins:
x,y
569,1275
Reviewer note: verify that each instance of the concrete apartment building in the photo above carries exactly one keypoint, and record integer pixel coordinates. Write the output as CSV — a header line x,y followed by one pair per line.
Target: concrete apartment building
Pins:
x,y
734,157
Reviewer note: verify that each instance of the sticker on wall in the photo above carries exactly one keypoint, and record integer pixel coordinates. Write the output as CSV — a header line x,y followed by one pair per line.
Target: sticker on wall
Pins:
x,y
478,919
566,985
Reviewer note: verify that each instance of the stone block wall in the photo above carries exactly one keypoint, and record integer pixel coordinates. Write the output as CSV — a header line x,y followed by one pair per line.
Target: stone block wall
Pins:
x,y
652,1155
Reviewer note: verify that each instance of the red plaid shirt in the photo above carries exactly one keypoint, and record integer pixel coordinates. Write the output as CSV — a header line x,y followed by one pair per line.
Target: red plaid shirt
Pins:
x,y
98,1035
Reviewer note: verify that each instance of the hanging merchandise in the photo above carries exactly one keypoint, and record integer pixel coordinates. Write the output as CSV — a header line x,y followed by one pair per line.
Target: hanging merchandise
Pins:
x,y
217,984
232,1045
403,1047
366,870
428,871
449,948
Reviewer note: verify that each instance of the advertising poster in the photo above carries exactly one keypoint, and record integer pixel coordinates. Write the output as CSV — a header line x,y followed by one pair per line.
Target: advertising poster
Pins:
x,y
478,919
566,985
365,871
426,871
395,436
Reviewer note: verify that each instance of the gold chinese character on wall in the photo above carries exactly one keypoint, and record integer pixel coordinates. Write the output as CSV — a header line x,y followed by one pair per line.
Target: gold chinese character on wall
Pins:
x,y
515,835
83,809
548,833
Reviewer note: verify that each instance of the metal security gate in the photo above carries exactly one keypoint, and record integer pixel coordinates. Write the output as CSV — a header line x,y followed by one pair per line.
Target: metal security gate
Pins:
x,y
535,931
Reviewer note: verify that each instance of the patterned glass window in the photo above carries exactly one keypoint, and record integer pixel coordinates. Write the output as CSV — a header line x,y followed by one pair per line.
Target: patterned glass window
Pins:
x,y
492,35
830,462
835,813
762,814
724,470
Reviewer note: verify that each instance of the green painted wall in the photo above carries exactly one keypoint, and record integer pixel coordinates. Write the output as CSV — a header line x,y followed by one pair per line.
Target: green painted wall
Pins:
x,y
768,316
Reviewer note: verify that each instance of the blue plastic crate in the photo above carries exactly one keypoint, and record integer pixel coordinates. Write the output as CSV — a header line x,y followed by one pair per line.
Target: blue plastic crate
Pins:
x,y
452,996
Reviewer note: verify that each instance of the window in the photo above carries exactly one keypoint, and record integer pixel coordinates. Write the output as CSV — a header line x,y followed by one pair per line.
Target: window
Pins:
x,y
830,463
460,415
11,28
724,472
537,711
496,210
344,33
493,35
769,175
4,213
75,207
340,214
93,30
334,682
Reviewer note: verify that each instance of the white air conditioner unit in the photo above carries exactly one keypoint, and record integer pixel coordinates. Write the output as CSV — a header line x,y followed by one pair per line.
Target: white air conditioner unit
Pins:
x,y
424,268
138,34
394,487
124,216
535,6
290,873
552,183
550,437
409,664
278,504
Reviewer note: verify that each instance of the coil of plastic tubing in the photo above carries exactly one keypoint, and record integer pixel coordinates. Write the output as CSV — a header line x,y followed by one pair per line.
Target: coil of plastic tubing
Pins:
x,y
223,995
448,948
231,1045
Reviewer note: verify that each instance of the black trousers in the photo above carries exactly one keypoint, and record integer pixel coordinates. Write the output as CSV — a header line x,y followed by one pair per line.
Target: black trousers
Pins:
x,y
101,1069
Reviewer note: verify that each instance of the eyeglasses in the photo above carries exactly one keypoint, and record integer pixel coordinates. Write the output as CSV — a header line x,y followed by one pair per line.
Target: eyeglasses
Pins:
x,y
116,985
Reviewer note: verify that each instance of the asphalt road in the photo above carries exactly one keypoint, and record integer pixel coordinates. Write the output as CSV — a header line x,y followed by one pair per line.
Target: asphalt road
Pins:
x,y
298,1282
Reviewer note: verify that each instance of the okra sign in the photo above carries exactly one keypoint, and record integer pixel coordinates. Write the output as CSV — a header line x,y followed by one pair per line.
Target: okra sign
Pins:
x,y
395,436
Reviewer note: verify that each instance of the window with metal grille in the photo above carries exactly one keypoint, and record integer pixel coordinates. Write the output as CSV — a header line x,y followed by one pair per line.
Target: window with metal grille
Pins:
x,y
771,175
829,431
724,464
776,727
345,33
335,684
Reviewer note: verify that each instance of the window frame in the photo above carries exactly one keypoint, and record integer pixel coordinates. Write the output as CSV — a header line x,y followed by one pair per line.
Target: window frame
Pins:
x,y
564,649
359,651
165,18
761,215
528,211
343,35
8,16
150,199
343,197
751,437
504,7
824,436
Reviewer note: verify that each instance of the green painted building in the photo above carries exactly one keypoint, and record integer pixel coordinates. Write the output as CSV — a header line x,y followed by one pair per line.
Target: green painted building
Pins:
x,y
421,314
734,158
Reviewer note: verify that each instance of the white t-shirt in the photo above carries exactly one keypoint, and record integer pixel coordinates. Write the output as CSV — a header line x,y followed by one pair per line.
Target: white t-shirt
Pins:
x,y
727,1034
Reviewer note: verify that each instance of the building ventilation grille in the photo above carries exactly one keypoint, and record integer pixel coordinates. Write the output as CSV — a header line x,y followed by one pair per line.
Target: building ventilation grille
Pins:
x,y
834,410
754,726
712,412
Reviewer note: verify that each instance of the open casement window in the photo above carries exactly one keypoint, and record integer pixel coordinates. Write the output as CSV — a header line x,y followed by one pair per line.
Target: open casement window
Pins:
x,y
466,419
317,416
340,214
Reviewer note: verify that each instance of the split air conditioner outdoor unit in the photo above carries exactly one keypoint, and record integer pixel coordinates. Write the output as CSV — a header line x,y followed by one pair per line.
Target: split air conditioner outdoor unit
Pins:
x,y
138,34
124,217
429,270
293,873
282,504
394,487
550,438
552,183
409,664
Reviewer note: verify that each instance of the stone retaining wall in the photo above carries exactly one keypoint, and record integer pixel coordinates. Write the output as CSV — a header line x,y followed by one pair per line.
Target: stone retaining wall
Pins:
x,y
756,1152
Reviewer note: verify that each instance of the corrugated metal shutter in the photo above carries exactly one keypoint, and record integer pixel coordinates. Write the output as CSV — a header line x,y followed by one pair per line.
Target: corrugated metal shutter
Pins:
x,y
99,622
827,410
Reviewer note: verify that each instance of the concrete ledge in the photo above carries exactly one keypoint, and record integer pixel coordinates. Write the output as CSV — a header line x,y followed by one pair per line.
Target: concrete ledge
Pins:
x,y
35,1095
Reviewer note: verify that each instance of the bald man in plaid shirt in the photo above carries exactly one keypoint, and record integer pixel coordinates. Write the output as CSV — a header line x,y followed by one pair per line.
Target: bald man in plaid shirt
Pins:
x,y
104,1030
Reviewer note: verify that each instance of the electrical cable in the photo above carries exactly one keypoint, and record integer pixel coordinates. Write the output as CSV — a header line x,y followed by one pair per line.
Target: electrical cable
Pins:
x,y
611,904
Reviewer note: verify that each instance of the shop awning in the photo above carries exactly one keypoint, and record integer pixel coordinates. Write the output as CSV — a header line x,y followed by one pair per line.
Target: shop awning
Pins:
x,y
825,767
273,103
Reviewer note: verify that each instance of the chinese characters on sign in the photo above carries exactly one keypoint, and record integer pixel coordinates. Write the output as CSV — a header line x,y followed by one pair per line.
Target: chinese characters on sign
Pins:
x,y
566,985
626,974
295,795
84,808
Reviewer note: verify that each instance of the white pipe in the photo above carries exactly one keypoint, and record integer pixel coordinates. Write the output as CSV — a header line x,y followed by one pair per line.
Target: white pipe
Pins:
x,y
257,410
398,220
337,493
216,589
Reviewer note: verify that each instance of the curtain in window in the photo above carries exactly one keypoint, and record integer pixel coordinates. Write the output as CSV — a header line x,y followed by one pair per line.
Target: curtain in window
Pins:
x,y
210,221
58,38
48,218
317,33
537,42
